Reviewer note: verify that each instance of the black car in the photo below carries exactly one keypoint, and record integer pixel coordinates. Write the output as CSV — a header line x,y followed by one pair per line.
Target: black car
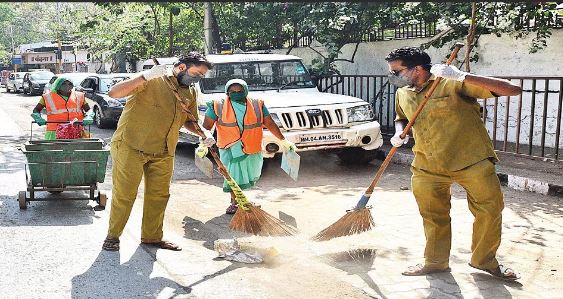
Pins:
x,y
107,109
34,82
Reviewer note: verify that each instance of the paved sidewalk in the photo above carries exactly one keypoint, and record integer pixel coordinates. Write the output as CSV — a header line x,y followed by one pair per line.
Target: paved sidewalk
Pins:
x,y
516,172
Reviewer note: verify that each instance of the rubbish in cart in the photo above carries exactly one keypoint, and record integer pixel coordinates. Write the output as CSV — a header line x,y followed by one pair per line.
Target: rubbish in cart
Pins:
x,y
72,130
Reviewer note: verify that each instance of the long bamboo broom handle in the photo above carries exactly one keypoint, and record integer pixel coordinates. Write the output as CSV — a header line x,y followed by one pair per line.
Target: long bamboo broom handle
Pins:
x,y
221,167
365,198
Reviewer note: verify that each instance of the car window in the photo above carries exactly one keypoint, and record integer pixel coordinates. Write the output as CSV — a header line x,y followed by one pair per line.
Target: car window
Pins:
x,y
87,83
42,76
107,83
259,75
53,79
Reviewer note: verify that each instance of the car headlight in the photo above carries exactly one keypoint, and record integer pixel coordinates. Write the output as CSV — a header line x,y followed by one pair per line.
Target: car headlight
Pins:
x,y
113,103
360,113
276,120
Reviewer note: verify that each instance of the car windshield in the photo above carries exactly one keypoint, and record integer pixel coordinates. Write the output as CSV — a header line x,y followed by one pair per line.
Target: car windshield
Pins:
x,y
259,75
42,76
107,83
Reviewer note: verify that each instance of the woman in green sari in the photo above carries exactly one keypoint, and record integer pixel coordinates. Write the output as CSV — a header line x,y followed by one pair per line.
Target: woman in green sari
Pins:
x,y
240,145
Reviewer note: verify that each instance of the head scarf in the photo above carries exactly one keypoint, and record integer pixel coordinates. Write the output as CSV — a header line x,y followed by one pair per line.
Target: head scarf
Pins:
x,y
57,84
237,81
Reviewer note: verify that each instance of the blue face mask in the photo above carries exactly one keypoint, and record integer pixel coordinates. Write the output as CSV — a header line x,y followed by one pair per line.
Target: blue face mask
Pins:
x,y
237,96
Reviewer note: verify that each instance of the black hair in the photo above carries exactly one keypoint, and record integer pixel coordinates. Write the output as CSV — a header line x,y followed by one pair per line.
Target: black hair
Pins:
x,y
411,57
194,58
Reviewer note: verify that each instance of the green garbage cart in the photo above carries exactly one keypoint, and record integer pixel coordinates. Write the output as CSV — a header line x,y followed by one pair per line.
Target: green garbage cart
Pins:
x,y
64,165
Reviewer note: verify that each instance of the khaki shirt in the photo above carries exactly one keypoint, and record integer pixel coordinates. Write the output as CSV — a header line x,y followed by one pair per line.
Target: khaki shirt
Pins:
x,y
449,133
152,117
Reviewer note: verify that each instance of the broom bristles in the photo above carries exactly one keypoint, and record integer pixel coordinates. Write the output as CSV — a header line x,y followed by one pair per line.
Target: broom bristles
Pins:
x,y
257,222
353,222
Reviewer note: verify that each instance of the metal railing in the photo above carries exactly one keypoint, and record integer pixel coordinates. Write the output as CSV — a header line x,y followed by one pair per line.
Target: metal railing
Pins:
x,y
527,125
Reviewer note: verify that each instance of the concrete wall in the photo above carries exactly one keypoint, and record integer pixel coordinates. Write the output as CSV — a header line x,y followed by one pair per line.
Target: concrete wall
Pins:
x,y
499,56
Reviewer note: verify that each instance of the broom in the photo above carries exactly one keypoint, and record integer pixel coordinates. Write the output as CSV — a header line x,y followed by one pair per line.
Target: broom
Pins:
x,y
248,218
359,219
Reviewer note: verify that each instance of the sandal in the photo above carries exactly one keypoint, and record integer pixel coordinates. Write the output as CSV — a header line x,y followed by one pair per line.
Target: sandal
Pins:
x,y
501,272
232,209
419,270
164,245
111,244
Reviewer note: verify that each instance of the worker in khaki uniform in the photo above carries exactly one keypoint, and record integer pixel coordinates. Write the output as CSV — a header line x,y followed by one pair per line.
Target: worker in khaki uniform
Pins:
x,y
452,146
145,142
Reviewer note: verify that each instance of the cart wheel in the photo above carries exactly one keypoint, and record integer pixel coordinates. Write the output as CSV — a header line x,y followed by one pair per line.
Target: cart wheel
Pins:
x,y
21,200
102,199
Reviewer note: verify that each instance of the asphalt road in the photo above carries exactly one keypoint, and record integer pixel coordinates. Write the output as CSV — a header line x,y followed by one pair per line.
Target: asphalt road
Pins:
x,y
53,249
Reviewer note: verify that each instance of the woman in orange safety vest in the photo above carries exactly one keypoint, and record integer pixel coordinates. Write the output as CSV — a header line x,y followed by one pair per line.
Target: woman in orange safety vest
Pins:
x,y
63,104
239,121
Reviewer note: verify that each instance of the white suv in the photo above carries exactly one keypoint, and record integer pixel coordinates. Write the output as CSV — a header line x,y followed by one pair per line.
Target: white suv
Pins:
x,y
311,119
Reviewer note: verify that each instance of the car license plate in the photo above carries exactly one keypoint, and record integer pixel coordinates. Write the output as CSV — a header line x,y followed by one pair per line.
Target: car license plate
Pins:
x,y
320,137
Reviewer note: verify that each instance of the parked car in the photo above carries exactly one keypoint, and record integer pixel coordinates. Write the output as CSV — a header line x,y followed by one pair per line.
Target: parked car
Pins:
x,y
34,82
76,79
107,109
4,77
15,82
313,120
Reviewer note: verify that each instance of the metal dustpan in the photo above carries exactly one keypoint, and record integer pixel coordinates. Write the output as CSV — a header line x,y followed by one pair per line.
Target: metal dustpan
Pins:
x,y
290,164
205,165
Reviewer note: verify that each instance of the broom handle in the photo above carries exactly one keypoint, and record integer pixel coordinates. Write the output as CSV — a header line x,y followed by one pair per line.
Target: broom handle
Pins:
x,y
365,198
198,129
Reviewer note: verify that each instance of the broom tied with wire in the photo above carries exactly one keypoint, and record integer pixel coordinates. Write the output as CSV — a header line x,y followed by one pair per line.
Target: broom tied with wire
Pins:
x,y
359,219
248,218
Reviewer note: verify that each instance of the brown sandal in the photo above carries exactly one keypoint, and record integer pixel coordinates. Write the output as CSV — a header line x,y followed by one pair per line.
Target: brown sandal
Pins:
x,y
419,270
164,245
501,272
111,244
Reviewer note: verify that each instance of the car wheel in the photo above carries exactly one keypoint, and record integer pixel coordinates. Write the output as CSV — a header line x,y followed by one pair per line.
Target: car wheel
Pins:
x,y
358,155
99,119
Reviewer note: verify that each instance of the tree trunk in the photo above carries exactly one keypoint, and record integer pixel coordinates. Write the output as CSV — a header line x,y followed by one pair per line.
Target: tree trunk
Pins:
x,y
170,34
470,37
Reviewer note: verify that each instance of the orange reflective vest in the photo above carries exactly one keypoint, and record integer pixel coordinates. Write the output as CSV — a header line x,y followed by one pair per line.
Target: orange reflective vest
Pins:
x,y
228,131
60,110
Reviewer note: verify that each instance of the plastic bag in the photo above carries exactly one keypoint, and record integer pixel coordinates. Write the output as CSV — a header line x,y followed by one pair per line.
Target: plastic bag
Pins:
x,y
70,130
229,249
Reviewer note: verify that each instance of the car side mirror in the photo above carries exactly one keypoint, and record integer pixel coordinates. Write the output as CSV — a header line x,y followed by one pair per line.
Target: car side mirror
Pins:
x,y
315,80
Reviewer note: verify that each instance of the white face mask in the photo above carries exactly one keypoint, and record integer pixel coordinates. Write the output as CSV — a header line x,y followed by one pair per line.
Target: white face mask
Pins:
x,y
400,81
185,79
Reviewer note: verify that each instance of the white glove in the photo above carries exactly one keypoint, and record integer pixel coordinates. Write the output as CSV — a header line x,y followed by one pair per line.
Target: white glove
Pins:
x,y
396,140
288,145
201,151
448,71
155,72
209,141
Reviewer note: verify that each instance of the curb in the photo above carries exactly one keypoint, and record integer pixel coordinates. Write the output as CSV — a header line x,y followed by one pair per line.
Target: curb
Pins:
x,y
511,181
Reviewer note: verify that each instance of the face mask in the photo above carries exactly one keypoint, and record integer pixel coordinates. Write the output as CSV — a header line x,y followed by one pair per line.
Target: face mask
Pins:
x,y
237,96
185,79
65,89
400,81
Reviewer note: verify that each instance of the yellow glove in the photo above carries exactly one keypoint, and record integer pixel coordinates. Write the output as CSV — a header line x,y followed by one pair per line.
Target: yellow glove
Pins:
x,y
288,145
201,151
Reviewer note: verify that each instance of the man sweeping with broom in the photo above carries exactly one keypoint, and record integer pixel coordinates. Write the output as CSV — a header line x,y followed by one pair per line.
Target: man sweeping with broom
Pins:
x,y
452,146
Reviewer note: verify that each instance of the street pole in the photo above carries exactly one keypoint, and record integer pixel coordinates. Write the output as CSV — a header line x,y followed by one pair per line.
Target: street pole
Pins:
x,y
60,53
207,28
13,48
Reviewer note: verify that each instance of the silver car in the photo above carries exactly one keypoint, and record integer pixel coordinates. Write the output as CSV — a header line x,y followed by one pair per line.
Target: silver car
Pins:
x,y
15,82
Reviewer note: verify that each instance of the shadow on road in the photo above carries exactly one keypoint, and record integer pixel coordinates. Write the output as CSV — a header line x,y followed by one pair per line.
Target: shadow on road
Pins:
x,y
107,278
214,229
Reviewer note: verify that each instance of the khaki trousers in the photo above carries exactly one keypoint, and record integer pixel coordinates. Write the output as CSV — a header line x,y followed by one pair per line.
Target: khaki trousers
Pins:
x,y
485,199
129,166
